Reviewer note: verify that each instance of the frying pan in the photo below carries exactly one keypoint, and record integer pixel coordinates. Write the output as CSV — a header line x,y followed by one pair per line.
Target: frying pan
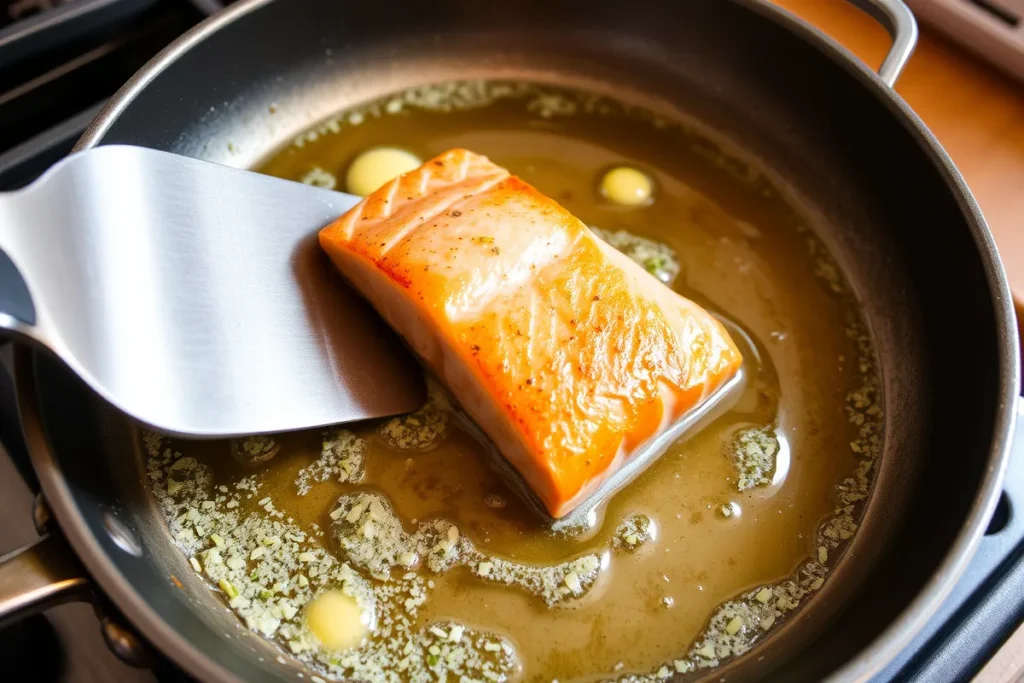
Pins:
x,y
872,181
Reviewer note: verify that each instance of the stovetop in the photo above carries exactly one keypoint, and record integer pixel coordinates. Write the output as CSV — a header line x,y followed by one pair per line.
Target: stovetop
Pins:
x,y
59,62
61,59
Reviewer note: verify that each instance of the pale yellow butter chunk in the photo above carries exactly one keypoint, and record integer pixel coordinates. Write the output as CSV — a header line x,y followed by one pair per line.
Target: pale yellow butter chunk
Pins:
x,y
627,186
376,166
337,621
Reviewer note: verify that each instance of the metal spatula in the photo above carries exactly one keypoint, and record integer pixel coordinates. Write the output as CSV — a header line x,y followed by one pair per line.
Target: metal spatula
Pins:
x,y
195,297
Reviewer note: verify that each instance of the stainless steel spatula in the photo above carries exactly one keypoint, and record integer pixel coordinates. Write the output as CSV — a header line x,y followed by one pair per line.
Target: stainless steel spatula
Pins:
x,y
195,297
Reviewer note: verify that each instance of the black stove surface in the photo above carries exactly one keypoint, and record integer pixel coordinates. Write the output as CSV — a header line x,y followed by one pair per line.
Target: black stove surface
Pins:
x,y
61,59
59,62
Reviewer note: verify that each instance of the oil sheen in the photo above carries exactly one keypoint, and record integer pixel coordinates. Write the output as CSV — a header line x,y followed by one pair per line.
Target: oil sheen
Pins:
x,y
743,253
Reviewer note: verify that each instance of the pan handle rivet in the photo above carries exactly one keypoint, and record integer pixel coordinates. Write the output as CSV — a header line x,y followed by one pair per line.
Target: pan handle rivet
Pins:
x,y
40,514
121,535
125,645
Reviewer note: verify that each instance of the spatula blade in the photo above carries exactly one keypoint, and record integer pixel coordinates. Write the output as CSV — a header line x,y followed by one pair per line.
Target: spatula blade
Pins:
x,y
195,297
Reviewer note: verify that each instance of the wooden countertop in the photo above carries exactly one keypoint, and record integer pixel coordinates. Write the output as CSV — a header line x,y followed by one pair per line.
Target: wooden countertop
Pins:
x,y
977,114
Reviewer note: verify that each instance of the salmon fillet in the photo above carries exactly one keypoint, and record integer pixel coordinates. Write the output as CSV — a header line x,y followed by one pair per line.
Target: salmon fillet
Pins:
x,y
566,353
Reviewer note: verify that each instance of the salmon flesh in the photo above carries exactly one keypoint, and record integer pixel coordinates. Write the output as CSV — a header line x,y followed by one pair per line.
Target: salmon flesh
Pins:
x,y
567,354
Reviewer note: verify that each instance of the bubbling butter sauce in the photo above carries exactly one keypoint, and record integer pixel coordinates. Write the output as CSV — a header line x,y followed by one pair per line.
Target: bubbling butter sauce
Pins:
x,y
438,568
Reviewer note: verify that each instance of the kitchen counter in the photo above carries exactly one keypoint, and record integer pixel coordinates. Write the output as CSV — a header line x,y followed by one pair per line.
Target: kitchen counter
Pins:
x,y
977,113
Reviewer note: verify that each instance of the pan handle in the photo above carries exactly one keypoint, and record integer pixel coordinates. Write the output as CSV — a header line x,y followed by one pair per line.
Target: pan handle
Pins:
x,y
47,573
38,576
899,21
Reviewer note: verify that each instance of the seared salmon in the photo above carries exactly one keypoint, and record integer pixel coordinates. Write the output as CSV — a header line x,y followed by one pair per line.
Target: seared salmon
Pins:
x,y
566,353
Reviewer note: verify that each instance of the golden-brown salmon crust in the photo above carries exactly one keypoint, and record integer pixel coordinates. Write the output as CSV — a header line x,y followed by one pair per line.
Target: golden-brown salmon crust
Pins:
x,y
565,352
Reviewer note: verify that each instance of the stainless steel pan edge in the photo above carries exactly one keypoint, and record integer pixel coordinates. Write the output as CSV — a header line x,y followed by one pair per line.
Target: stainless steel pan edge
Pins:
x,y
123,97
898,635
1011,407
868,662
85,545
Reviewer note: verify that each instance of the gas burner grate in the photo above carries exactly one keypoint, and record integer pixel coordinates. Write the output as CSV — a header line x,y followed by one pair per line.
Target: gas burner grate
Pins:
x,y
61,59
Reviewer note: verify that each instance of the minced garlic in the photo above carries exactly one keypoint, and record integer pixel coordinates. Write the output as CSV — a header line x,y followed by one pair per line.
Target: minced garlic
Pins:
x,y
657,258
269,570
341,456
254,450
442,547
753,451
424,428
318,177
633,532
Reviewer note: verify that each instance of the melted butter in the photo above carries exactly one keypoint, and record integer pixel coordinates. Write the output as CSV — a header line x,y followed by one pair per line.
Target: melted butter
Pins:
x,y
748,262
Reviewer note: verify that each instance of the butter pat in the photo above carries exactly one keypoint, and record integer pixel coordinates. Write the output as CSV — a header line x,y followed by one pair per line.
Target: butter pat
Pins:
x,y
627,186
376,166
337,621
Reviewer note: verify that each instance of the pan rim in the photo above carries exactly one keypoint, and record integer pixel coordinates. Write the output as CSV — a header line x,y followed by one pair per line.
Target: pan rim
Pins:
x,y
100,567
886,644
894,638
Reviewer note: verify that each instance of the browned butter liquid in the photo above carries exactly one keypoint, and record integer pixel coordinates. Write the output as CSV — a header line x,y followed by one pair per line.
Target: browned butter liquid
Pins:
x,y
743,256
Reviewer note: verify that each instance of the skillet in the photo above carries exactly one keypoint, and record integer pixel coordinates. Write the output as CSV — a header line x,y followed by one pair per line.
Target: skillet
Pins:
x,y
875,186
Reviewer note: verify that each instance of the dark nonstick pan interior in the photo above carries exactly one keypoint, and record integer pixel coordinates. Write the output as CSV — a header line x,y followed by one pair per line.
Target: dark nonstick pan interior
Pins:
x,y
872,186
